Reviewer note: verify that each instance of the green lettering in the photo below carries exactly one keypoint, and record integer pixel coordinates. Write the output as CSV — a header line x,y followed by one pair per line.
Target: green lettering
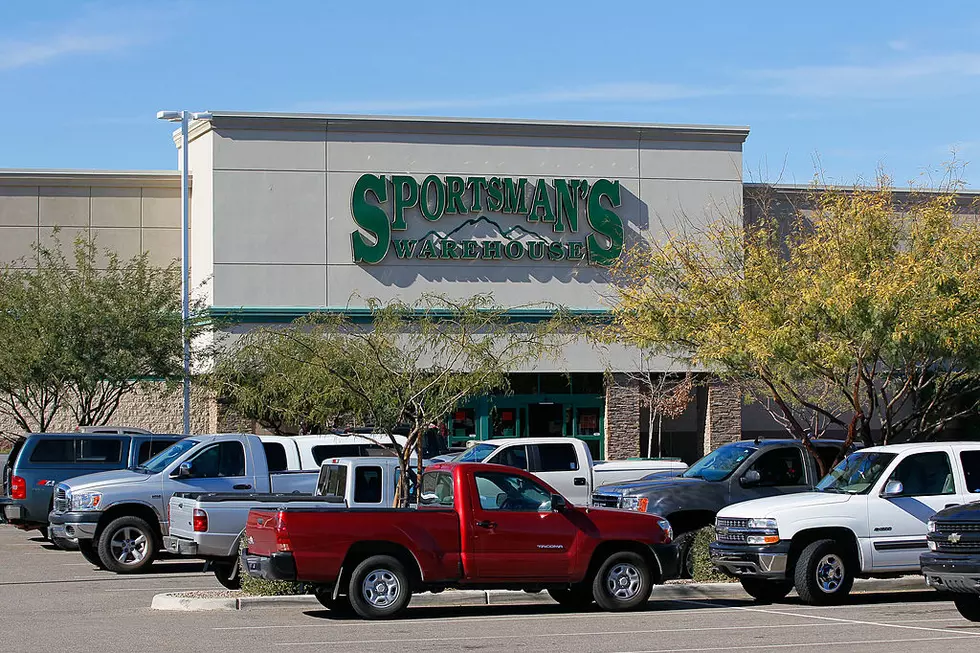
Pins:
x,y
576,250
541,201
449,249
479,185
404,248
371,218
454,202
399,183
605,222
515,199
471,250
430,212
495,194
566,204
426,250
535,250
556,251
492,250
514,250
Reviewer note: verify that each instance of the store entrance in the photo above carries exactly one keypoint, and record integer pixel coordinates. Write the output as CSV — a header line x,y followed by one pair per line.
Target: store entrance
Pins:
x,y
545,419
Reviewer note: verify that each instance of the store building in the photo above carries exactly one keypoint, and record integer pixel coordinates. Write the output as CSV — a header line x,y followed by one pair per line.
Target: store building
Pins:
x,y
298,213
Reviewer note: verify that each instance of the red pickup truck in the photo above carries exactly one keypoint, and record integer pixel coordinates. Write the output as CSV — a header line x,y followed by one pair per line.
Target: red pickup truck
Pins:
x,y
476,526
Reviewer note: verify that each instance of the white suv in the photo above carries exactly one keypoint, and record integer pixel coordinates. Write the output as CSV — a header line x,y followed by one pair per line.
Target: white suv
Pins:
x,y
867,517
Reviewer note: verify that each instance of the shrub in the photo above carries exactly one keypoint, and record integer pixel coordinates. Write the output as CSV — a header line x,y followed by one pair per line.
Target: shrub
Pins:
x,y
260,587
703,571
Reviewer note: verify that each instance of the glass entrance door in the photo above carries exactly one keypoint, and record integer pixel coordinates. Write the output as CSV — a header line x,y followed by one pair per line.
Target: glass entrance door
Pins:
x,y
545,419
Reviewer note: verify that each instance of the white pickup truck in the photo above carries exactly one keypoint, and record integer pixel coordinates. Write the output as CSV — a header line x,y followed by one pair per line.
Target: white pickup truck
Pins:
x,y
564,463
210,525
867,518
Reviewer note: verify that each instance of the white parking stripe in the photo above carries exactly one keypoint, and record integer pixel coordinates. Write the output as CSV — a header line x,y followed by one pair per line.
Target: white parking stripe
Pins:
x,y
757,647
849,621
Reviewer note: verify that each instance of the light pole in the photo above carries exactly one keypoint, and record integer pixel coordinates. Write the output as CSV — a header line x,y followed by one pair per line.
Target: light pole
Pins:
x,y
184,118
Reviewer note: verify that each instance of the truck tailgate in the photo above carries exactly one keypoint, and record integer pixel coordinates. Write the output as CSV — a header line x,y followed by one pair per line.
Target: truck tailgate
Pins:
x,y
182,517
260,531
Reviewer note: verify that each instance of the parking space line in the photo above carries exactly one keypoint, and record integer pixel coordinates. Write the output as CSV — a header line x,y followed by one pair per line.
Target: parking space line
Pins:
x,y
157,589
849,621
756,647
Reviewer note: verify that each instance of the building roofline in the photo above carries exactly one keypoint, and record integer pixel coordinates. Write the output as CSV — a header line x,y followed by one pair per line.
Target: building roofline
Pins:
x,y
457,125
806,188
54,177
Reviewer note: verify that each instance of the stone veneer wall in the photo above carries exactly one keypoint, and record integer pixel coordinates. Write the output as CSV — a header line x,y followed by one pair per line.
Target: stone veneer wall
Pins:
x,y
151,408
723,418
622,417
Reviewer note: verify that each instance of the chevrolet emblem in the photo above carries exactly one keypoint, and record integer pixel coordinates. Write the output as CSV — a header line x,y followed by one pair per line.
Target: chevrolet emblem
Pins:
x,y
954,538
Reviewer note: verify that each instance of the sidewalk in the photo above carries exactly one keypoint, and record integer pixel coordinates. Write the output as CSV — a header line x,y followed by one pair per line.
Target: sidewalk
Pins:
x,y
193,601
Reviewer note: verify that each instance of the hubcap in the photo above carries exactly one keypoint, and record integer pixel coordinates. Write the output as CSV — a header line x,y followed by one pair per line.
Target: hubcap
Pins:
x,y
381,588
128,545
623,581
830,573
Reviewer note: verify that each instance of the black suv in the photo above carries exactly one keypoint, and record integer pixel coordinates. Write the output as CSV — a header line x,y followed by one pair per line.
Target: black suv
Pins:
x,y
952,564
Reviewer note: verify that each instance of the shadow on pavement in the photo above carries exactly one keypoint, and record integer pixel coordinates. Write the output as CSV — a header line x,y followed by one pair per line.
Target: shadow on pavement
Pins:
x,y
870,598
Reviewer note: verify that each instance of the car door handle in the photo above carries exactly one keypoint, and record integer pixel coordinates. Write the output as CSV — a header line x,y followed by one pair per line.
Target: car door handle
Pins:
x,y
579,480
486,524
243,486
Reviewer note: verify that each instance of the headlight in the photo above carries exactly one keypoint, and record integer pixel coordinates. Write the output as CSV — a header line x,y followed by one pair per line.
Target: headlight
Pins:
x,y
767,532
85,501
666,528
634,503
931,527
762,524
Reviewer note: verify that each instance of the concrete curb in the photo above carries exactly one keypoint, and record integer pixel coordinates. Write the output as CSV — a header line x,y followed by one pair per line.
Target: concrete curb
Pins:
x,y
456,598
175,601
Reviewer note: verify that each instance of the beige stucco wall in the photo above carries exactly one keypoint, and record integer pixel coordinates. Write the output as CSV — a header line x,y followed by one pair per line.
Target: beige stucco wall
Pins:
x,y
127,212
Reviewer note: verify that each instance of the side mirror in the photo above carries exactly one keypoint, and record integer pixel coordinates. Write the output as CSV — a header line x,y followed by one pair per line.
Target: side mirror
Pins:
x,y
750,478
893,489
558,503
184,470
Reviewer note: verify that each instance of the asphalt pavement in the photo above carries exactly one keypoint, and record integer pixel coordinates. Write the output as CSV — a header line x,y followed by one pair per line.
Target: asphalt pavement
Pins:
x,y
52,601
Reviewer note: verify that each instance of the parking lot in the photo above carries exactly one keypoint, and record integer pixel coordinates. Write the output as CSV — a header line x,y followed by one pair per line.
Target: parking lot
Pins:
x,y
53,601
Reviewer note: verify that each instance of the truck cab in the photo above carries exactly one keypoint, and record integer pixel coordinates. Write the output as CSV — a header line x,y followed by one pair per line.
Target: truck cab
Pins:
x,y
868,517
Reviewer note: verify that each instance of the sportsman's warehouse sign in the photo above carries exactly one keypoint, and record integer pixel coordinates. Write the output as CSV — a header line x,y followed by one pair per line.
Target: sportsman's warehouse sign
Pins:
x,y
542,220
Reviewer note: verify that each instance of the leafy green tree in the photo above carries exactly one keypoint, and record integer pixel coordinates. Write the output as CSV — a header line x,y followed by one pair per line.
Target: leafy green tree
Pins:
x,y
409,365
78,333
863,309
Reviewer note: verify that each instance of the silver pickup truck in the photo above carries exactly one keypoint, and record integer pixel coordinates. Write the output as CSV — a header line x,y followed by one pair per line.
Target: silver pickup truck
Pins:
x,y
210,525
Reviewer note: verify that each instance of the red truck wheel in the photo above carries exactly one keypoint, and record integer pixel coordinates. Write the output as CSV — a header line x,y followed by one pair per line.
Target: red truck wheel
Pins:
x,y
340,605
379,588
623,582
577,597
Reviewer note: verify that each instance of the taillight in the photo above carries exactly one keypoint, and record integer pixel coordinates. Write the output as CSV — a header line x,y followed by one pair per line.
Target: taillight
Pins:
x,y
200,521
18,488
282,537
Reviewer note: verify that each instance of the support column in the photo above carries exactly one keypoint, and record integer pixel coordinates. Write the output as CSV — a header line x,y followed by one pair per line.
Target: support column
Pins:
x,y
622,417
723,415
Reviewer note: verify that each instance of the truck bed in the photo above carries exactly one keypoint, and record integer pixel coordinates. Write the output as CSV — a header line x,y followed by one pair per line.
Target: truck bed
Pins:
x,y
432,532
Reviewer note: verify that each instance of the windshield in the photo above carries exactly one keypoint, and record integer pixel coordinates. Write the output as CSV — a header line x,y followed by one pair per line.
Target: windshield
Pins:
x,y
475,454
856,473
720,463
159,462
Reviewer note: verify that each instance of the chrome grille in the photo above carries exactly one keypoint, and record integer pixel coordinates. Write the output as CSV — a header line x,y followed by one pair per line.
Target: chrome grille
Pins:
x,y
60,499
605,500
731,530
728,522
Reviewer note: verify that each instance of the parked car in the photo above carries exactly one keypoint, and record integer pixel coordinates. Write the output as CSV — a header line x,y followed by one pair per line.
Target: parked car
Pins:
x,y
211,525
40,461
564,463
732,473
477,526
952,564
867,518
120,517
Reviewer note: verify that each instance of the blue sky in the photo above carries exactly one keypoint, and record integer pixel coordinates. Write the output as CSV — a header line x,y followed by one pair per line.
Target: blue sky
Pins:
x,y
843,87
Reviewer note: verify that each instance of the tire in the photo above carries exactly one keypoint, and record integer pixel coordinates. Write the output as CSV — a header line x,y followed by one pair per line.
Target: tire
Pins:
x,y
576,597
685,554
87,549
128,545
968,605
65,543
379,588
766,591
623,582
341,605
228,574
823,574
